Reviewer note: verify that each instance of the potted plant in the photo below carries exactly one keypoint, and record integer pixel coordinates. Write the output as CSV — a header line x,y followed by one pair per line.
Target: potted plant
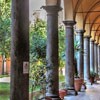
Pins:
x,y
78,82
62,90
92,77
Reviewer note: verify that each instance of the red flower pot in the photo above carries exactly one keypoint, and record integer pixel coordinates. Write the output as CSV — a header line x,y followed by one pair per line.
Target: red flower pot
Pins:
x,y
78,83
62,93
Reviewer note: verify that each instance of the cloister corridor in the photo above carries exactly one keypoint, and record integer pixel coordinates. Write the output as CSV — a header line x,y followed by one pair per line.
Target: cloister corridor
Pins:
x,y
53,48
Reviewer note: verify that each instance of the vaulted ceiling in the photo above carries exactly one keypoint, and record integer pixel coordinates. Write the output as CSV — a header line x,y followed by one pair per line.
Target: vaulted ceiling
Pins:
x,y
85,12
87,15
90,11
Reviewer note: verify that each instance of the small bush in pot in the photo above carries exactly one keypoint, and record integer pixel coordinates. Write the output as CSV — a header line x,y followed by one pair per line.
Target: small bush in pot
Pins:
x,y
92,77
62,90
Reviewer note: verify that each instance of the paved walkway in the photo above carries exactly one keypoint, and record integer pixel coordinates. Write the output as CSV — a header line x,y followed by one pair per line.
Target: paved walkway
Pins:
x,y
92,93
5,79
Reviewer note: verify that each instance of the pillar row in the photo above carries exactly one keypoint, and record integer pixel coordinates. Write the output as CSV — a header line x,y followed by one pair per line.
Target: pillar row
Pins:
x,y
86,58
52,75
79,38
69,68
92,55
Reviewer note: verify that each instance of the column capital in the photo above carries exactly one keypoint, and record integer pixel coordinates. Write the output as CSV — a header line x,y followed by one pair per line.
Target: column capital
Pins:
x,y
80,31
87,37
92,41
52,9
69,23
96,43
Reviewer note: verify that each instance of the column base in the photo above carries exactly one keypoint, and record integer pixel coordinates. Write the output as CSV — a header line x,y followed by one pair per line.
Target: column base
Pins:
x,y
83,87
72,92
52,97
88,82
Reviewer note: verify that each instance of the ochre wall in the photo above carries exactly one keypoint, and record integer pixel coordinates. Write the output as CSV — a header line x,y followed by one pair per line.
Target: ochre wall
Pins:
x,y
8,64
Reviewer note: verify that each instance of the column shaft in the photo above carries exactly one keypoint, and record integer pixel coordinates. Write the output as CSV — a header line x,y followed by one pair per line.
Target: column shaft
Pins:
x,y
20,50
52,75
99,58
92,55
79,38
86,59
69,68
96,58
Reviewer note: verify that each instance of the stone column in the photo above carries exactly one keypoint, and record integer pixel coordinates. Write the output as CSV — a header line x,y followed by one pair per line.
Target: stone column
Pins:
x,y
96,58
20,50
79,38
99,58
86,58
69,68
98,53
52,75
92,55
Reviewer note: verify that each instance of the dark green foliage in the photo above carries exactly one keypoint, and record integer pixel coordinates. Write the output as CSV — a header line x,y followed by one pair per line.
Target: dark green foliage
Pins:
x,y
93,74
38,39
61,46
5,25
37,73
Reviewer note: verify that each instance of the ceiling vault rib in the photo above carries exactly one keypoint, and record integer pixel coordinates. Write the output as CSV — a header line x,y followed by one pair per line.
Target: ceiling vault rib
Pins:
x,y
95,30
92,23
89,12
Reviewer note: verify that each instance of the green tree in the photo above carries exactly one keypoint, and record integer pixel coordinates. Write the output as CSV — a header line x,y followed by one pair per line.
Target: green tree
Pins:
x,y
61,47
38,39
5,23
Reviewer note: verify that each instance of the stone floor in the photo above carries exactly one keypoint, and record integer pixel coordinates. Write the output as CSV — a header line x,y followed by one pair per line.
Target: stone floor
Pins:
x,y
92,93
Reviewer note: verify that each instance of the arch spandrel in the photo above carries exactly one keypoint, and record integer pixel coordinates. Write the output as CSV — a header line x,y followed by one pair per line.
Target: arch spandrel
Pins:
x,y
68,10
92,35
96,38
79,19
87,29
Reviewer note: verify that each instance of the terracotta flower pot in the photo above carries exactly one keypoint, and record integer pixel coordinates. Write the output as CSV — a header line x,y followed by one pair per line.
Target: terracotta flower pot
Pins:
x,y
92,79
78,83
62,93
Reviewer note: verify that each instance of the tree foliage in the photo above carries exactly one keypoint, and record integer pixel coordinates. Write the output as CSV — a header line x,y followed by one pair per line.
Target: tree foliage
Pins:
x,y
61,46
38,39
5,23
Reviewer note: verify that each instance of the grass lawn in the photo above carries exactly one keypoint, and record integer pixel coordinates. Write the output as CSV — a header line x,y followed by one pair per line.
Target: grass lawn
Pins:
x,y
1,76
4,91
